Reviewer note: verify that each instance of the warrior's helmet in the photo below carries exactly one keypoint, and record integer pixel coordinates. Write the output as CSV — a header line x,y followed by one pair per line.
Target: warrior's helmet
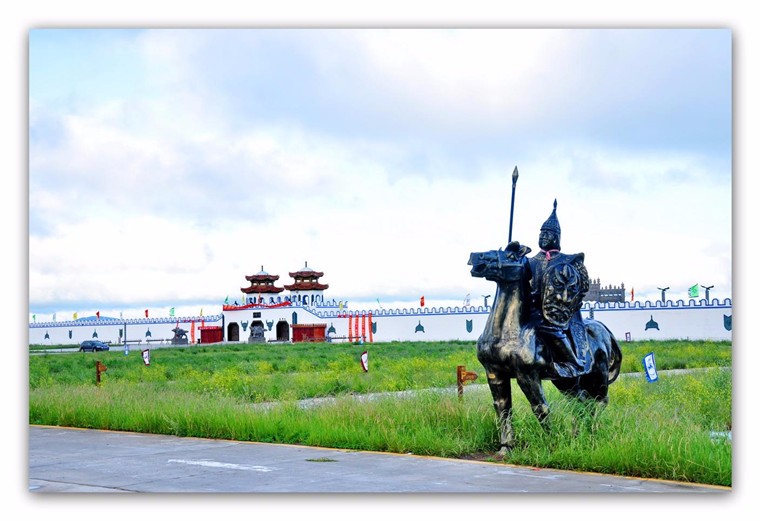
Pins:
x,y
552,223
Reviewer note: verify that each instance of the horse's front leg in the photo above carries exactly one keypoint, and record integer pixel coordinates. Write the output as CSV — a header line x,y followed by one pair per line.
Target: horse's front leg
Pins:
x,y
530,383
501,391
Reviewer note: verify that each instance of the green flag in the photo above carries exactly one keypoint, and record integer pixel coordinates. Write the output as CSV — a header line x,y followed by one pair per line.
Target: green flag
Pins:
x,y
694,290
171,312
227,300
34,318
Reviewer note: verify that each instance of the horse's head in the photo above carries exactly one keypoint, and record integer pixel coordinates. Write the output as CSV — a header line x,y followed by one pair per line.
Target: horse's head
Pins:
x,y
500,265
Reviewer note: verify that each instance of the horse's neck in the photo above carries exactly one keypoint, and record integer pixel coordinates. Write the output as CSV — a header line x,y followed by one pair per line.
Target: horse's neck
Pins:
x,y
506,312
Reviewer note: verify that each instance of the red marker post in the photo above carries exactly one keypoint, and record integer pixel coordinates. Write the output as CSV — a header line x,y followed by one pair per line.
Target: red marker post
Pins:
x,y
464,376
99,368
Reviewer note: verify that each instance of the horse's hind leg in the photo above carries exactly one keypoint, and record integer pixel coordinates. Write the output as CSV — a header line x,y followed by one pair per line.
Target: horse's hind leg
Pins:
x,y
501,391
530,383
577,389
596,385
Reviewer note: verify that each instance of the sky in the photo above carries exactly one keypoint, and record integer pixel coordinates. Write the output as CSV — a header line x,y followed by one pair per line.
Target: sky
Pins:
x,y
165,165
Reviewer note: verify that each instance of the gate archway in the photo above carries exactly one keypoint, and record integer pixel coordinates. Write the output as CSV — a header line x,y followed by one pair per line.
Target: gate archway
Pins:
x,y
233,332
283,331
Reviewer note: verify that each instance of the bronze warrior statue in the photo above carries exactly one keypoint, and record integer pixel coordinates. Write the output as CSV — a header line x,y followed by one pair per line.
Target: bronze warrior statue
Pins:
x,y
534,330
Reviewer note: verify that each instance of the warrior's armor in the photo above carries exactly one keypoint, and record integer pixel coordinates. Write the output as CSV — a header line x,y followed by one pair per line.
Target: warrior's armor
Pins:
x,y
558,283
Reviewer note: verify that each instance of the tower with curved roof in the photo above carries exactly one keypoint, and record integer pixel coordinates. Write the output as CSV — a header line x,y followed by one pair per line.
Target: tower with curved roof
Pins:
x,y
262,289
306,288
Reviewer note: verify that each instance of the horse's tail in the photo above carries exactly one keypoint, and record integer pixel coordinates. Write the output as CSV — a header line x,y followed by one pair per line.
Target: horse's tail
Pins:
x,y
616,357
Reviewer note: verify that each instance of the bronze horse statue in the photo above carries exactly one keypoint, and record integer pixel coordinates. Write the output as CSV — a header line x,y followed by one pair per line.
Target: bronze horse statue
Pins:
x,y
510,348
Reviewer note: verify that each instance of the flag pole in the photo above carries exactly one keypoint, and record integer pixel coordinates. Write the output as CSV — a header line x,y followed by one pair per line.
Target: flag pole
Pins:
x,y
512,206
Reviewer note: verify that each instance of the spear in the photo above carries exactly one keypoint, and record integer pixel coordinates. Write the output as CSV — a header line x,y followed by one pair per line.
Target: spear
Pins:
x,y
512,207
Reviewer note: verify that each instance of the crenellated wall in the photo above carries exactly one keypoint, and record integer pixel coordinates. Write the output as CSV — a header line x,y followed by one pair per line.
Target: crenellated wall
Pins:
x,y
634,320
696,320
141,331
664,321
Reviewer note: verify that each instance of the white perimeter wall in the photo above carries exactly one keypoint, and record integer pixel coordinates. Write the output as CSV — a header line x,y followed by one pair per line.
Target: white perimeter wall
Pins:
x,y
142,330
642,321
694,321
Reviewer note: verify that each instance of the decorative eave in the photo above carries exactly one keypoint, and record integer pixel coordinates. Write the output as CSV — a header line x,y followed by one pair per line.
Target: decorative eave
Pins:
x,y
261,278
306,286
261,288
305,274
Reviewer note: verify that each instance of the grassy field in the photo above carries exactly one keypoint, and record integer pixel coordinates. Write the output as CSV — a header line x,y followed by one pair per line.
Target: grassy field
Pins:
x,y
250,392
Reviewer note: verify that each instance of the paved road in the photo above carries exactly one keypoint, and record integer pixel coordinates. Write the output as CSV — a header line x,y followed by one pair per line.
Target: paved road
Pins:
x,y
78,460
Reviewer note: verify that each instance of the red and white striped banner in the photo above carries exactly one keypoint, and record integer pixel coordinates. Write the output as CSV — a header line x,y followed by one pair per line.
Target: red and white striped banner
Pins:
x,y
350,330
370,327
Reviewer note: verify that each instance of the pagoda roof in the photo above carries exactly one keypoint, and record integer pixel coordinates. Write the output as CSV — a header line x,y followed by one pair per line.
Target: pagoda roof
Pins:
x,y
261,288
302,274
306,286
262,275
306,271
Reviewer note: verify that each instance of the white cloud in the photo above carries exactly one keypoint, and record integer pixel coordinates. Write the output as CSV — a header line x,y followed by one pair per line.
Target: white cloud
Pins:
x,y
383,158
475,74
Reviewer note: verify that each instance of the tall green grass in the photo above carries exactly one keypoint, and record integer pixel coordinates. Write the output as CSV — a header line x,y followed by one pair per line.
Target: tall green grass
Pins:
x,y
677,354
656,430
260,373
